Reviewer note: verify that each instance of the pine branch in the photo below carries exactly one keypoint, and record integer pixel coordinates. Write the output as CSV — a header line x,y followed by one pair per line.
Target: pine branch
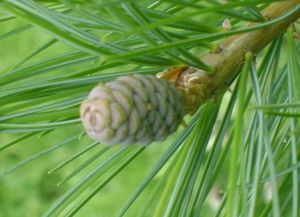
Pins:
x,y
198,86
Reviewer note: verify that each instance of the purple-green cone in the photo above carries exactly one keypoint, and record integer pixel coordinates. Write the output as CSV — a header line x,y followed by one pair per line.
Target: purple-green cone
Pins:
x,y
134,109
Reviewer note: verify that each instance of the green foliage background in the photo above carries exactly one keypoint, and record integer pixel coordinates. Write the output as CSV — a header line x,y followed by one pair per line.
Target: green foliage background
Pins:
x,y
233,146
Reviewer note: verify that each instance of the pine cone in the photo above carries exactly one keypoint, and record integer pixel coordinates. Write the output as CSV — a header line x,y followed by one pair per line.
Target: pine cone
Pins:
x,y
132,109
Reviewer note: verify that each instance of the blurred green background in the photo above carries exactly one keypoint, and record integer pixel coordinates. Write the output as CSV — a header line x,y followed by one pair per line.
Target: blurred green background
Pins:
x,y
28,189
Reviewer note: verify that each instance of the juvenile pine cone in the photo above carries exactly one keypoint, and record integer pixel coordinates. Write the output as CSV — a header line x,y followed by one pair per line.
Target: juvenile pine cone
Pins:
x,y
132,109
